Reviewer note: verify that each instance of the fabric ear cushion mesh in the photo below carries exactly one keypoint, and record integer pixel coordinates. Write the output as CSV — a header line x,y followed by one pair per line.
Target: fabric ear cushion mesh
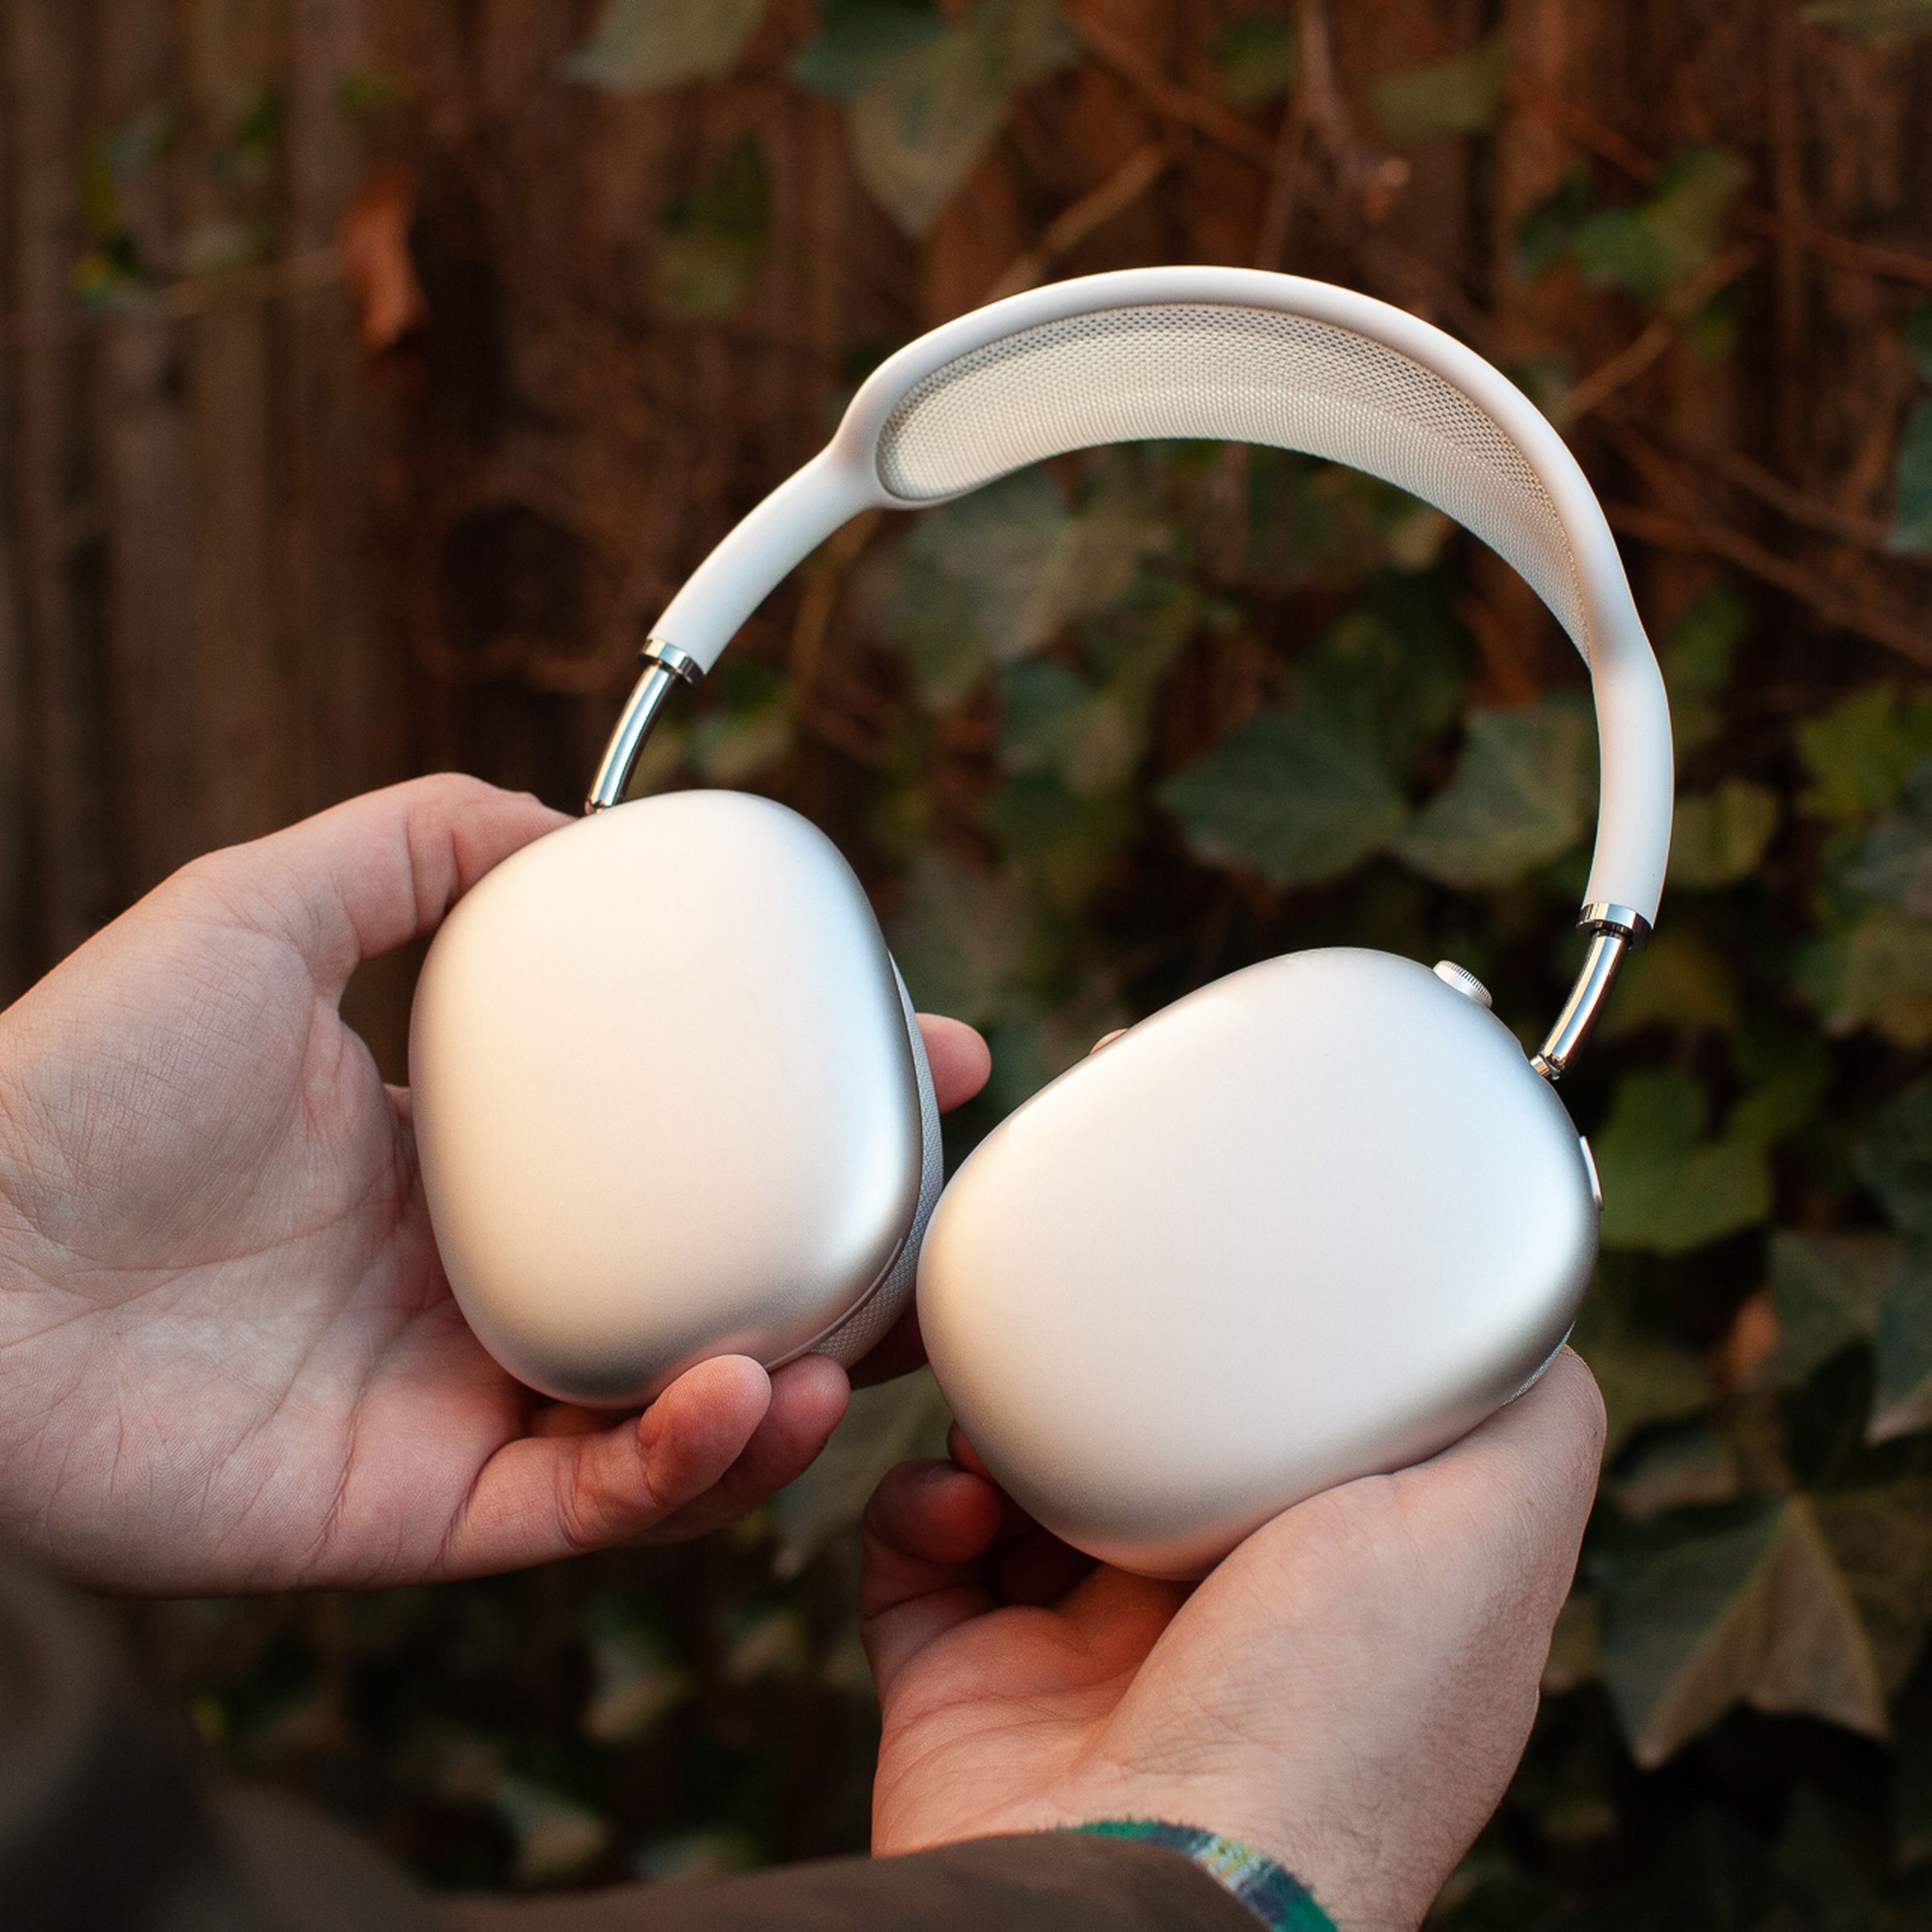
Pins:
x,y
868,1322
1233,374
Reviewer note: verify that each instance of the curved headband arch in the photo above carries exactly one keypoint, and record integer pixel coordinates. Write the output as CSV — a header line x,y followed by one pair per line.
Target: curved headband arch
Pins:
x,y
1233,354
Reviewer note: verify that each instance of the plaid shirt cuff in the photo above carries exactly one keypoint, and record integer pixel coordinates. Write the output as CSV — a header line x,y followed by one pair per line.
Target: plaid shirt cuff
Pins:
x,y
1279,1899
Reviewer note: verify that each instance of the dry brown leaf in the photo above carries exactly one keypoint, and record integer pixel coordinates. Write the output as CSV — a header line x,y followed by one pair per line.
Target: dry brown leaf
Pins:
x,y
373,237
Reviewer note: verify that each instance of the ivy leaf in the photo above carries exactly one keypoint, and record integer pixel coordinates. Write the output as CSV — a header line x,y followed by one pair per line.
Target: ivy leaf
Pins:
x,y
992,577
1666,1187
1066,844
1677,980
636,1680
1859,754
556,1835
1293,795
1547,232
962,939
1827,1290
1786,1070
1875,971
1645,1380
1388,672
713,242
1813,1604
1520,798
1832,1291
1901,1405
1256,59
925,101
1054,720
1919,325
1718,837
1884,22
1459,96
1679,1469
860,41
1912,514
642,45
1895,864
1655,247
1895,1159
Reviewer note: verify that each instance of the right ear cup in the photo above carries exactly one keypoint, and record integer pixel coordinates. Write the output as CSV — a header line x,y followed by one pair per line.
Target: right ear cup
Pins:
x,y
866,1326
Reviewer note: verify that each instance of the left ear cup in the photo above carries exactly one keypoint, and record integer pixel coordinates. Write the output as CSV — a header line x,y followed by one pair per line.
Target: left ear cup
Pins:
x,y
867,1324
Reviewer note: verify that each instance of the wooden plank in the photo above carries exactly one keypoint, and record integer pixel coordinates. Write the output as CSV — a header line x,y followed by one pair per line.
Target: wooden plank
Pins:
x,y
71,889
140,428
246,692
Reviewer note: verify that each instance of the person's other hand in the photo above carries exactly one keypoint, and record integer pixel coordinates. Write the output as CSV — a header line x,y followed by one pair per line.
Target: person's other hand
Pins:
x,y
229,1357
1348,1692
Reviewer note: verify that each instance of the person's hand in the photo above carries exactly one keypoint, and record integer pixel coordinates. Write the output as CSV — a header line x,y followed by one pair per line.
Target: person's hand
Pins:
x,y
1348,1692
229,1357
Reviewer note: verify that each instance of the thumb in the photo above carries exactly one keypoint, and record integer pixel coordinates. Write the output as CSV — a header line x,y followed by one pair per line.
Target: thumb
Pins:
x,y
377,871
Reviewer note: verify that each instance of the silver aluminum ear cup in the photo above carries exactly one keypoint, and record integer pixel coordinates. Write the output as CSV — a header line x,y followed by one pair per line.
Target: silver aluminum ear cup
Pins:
x,y
866,1326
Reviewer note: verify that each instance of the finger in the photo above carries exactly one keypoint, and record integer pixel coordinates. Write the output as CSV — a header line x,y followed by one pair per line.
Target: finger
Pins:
x,y
808,1401
924,1530
1122,1616
370,874
1520,1486
959,1058
548,1496
962,1452
1026,1564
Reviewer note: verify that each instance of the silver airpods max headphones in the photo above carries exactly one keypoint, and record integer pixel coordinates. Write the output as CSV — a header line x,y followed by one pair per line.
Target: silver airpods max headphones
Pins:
x,y
1314,1220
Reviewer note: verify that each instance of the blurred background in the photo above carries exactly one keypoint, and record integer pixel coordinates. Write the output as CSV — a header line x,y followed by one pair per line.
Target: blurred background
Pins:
x,y
371,374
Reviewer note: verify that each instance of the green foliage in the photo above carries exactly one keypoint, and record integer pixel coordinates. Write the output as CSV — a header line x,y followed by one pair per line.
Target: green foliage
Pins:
x,y
1859,753
1520,798
1912,514
1720,836
1548,230
1459,96
1669,1186
925,97
713,242
990,578
1895,1159
1294,796
1809,1603
1653,249
1885,21
1873,971
642,45
1679,981
1256,59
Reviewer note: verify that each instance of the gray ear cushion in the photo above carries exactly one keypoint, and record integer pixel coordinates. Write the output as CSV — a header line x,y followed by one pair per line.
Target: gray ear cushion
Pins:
x,y
868,1322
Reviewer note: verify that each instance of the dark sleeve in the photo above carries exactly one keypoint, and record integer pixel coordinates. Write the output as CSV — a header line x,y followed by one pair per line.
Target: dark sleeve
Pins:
x,y
1056,1882
110,1821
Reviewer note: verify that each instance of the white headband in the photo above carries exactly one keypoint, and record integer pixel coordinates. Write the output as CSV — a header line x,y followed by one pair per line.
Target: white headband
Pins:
x,y
1234,355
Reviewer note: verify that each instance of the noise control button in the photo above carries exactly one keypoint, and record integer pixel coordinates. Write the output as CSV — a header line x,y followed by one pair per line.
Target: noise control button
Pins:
x,y
1465,982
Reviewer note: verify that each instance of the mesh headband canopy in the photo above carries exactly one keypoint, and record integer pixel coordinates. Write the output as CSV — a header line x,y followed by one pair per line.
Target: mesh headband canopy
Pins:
x,y
1228,355
1229,372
